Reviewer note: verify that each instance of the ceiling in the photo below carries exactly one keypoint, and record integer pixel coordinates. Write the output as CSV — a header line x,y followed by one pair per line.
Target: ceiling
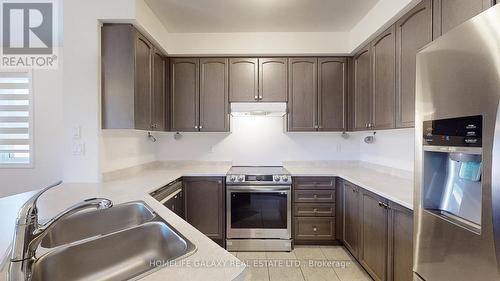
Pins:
x,y
214,16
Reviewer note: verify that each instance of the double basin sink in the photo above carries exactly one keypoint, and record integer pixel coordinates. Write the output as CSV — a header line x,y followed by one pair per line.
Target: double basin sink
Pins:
x,y
124,242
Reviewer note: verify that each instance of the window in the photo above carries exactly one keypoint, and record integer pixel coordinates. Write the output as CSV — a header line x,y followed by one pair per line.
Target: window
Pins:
x,y
16,119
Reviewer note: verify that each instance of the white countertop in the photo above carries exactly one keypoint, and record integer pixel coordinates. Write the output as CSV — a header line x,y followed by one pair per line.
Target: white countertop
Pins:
x,y
392,184
221,265
125,187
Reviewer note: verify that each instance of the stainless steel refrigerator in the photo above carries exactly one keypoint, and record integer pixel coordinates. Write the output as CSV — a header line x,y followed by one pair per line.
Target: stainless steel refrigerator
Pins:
x,y
457,160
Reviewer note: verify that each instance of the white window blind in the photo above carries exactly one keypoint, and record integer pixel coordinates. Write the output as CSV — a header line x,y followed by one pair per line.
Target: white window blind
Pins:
x,y
16,119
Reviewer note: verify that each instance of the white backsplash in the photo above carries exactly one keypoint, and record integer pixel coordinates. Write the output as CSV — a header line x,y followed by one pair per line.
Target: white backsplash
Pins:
x,y
257,140
392,148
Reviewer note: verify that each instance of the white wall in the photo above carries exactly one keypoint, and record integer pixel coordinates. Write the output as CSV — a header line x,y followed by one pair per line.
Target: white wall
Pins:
x,y
379,18
257,141
104,151
125,148
392,148
382,15
259,43
262,141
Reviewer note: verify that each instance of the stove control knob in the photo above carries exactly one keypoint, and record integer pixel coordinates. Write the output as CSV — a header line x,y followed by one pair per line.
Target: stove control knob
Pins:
x,y
241,178
284,178
232,178
276,178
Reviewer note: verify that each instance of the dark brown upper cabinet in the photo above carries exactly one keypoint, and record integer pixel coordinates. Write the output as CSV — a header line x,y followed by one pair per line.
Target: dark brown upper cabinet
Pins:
x,y
142,104
168,100
448,14
273,79
158,98
373,251
133,80
184,92
332,94
303,94
317,94
243,84
199,94
362,90
214,95
413,31
258,79
384,80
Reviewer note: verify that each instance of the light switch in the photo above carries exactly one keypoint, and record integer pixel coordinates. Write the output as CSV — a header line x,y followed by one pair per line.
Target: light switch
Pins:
x,y
77,132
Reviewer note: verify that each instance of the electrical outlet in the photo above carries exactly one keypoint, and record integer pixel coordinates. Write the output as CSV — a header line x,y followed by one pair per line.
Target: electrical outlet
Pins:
x,y
78,148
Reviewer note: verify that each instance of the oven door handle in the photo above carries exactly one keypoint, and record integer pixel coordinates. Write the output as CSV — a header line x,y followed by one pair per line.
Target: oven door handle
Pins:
x,y
246,188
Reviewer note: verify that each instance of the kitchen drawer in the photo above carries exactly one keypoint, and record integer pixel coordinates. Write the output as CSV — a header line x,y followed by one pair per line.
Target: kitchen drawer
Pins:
x,y
314,210
314,228
314,196
314,182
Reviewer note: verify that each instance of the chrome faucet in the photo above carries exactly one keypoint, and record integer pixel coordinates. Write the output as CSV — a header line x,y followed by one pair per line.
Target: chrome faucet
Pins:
x,y
29,233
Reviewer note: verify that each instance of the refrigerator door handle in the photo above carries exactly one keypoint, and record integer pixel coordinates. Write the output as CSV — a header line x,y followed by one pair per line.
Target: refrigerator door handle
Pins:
x,y
495,186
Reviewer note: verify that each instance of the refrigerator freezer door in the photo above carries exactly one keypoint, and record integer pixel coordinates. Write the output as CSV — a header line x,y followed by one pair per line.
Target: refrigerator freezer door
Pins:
x,y
459,75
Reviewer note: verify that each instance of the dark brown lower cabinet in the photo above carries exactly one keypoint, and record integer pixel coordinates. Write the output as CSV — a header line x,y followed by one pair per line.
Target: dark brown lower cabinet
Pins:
x,y
351,217
377,232
205,207
314,210
373,251
319,228
400,243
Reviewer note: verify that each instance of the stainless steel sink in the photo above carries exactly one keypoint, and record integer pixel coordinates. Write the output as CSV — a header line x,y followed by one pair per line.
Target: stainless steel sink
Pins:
x,y
123,255
97,222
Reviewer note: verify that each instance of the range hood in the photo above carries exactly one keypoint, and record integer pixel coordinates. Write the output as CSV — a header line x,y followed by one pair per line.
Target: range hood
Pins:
x,y
272,109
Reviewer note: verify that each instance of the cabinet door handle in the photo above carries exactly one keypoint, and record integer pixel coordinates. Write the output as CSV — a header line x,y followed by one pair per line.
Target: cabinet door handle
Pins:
x,y
196,127
315,210
201,127
383,205
260,97
315,196
315,229
256,97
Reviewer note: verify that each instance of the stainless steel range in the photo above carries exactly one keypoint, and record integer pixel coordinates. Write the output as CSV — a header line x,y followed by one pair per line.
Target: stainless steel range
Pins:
x,y
258,203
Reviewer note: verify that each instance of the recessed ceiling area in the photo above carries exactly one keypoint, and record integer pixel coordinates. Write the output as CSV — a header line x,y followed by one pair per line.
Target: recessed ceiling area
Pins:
x,y
224,16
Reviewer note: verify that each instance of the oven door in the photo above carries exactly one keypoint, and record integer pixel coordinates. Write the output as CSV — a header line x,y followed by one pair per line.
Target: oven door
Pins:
x,y
258,212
